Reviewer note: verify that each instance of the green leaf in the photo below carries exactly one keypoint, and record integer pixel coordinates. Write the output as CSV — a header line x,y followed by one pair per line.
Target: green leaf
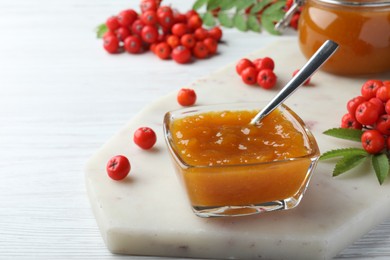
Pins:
x,y
345,133
380,163
227,4
253,23
271,16
240,22
347,163
198,4
101,30
345,152
276,9
260,6
243,4
225,20
213,4
208,19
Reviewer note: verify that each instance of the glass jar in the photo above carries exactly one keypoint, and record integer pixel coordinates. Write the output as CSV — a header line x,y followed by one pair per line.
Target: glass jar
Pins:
x,y
360,27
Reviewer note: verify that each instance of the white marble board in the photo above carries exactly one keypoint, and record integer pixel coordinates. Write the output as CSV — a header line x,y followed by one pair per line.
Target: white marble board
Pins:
x,y
148,213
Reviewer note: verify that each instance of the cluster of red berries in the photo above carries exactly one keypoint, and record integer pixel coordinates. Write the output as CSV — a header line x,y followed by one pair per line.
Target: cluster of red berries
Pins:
x,y
258,71
370,112
163,30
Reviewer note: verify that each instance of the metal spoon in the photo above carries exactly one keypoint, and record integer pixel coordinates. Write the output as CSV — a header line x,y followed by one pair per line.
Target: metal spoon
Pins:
x,y
315,62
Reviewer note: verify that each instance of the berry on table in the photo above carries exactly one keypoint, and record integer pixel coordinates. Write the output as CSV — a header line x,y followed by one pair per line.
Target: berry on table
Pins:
x,y
370,87
181,54
201,34
122,33
265,63
349,121
166,19
373,141
149,34
108,34
215,33
366,113
111,44
186,97
380,106
148,5
149,17
145,138
133,44
266,78
164,9
383,124
188,40
200,50
383,93
249,75
112,23
243,64
127,17
190,13
353,103
211,45
136,27
173,40
118,167
163,50
179,29
194,22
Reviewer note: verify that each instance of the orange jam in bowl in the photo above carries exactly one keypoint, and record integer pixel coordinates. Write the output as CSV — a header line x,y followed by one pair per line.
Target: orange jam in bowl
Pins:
x,y
361,28
229,167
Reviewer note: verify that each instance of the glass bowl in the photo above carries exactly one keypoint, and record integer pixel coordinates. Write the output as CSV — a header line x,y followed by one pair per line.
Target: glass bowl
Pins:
x,y
229,168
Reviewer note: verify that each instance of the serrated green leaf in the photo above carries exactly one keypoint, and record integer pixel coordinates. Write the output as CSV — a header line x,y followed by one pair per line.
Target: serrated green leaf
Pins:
x,y
225,20
269,25
345,133
271,16
239,22
347,163
243,4
260,6
276,8
227,4
213,4
380,163
253,23
198,4
345,152
208,19
101,30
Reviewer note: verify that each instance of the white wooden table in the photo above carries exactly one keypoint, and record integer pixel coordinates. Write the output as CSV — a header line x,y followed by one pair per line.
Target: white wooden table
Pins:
x,y
62,96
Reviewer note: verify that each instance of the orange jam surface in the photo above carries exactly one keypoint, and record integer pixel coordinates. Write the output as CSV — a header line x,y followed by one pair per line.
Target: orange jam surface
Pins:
x,y
363,35
227,153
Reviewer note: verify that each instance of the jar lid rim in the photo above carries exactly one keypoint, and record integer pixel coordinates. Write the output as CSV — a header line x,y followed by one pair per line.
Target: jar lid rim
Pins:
x,y
357,3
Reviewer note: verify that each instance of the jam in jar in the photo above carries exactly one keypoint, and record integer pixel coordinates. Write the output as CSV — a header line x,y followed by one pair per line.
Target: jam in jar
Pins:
x,y
361,28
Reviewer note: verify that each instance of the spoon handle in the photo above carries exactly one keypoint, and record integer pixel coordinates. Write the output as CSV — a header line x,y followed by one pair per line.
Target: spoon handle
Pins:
x,y
315,62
